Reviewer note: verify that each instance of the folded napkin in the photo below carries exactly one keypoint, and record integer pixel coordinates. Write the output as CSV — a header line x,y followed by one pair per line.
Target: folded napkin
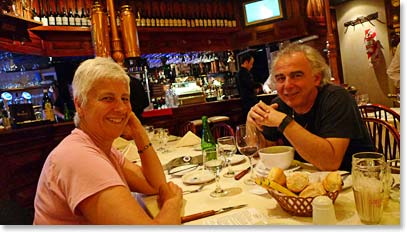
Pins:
x,y
128,148
189,139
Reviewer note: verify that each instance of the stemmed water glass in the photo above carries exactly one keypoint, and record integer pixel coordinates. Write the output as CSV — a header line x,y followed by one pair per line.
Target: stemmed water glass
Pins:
x,y
214,163
165,135
227,148
247,142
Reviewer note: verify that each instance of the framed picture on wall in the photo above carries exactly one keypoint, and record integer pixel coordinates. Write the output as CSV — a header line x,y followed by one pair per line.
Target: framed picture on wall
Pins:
x,y
262,11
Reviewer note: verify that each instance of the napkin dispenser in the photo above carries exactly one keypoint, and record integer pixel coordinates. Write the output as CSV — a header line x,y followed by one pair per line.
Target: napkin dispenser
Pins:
x,y
183,161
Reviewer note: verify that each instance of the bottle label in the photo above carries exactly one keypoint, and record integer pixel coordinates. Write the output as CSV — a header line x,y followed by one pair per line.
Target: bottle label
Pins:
x,y
84,22
65,21
78,22
72,21
48,112
58,21
51,21
44,21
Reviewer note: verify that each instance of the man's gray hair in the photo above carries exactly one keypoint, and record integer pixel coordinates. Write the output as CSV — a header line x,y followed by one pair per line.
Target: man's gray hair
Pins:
x,y
91,71
318,63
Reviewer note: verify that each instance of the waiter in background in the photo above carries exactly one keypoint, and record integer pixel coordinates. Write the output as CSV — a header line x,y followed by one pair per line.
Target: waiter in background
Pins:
x,y
138,97
246,83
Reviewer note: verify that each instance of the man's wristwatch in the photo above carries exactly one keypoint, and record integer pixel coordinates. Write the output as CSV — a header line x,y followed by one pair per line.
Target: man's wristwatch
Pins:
x,y
284,123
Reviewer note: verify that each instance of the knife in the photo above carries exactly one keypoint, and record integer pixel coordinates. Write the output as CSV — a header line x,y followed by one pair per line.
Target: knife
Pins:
x,y
242,173
208,213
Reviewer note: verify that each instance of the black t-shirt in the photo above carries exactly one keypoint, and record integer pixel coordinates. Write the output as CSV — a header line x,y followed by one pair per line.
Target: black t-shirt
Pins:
x,y
138,97
333,115
247,90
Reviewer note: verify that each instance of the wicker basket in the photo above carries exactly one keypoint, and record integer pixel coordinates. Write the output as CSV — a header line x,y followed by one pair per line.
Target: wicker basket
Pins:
x,y
298,206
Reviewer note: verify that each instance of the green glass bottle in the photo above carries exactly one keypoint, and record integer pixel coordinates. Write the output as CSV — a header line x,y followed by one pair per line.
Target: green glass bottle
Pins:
x,y
67,114
207,140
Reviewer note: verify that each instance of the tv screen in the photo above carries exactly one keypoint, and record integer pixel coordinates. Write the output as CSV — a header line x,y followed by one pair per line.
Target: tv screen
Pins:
x,y
261,11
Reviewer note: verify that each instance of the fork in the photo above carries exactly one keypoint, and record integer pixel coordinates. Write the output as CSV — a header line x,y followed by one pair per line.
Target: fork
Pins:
x,y
195,190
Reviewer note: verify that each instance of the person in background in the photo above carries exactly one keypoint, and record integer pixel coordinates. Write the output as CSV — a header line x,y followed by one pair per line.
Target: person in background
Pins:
x,y
138,97
246,83
85,180
393,71
65,97
319,119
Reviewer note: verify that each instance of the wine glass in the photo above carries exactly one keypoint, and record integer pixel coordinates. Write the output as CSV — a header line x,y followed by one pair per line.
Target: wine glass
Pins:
x,y
214,163
165,135
227,148
248,143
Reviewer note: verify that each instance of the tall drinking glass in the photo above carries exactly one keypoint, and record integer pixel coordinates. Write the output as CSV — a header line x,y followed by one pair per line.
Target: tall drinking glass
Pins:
x,y
247,142
369,182
227,148
214,163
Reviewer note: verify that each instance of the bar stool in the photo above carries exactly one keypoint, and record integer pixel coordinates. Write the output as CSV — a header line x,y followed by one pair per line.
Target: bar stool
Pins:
x,y
218,118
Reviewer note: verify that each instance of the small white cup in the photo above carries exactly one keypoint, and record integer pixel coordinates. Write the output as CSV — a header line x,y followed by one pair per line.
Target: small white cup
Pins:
x,y
323,212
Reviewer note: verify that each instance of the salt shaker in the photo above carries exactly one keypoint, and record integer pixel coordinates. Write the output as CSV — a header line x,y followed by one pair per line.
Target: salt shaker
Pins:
x,y
323,212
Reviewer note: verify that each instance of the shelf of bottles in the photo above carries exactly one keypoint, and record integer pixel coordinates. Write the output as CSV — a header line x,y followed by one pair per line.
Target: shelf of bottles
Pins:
x,y
61,13
177,13
150,15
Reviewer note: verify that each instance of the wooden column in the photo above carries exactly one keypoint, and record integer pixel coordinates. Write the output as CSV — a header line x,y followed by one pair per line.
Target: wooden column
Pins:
x,y
331,45
118,55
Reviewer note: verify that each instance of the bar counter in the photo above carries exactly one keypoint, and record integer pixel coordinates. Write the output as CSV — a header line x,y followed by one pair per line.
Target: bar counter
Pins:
x,y
174,119
23,151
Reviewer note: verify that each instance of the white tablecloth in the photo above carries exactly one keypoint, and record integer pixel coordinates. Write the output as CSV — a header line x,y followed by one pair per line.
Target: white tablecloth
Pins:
x,y
263,208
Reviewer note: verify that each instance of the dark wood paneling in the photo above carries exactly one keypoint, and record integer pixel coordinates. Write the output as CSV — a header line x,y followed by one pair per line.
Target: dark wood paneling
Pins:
x,y
23,153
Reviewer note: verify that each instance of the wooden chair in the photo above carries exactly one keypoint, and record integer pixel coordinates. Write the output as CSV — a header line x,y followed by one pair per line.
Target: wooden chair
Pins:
x,y
221,129
188,126
385,137
381,112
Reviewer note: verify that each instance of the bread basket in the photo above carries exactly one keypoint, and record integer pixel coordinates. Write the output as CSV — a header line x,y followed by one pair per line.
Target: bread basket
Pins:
x,y
297,206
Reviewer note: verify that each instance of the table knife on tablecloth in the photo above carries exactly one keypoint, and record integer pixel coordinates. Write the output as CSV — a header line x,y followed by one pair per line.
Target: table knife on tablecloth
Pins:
x,y
208,213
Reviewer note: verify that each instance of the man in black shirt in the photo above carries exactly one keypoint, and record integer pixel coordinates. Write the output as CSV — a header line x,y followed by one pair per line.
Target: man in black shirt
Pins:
x,y
138,97
319,119
246,84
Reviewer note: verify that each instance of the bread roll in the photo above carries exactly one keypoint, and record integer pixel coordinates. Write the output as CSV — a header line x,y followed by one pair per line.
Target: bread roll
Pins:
x,y
313,190
332,182
277,175
297,181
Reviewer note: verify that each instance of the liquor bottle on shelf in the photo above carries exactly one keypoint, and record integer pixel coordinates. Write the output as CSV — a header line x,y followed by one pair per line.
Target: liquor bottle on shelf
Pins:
x,y
65,19
51,17
47,107
143,18
44,18
88,21
78,20
84,17
36,17
58,15
71,18
147,10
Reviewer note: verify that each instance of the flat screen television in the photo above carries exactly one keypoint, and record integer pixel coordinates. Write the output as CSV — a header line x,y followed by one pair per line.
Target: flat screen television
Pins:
x,y
262,11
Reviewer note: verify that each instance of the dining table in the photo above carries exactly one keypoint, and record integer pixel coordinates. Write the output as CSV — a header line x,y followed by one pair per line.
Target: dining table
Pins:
x,y
259,207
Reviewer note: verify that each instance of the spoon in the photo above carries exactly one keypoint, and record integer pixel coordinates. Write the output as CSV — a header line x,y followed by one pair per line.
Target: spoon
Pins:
x,y
194,191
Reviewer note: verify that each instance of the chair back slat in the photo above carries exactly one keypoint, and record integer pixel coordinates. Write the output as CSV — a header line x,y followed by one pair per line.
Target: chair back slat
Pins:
x,y
385,137
222,129
381,112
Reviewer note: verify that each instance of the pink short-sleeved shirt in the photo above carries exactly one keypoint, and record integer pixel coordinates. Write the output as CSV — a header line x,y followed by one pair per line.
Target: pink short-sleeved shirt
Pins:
x,y
74,170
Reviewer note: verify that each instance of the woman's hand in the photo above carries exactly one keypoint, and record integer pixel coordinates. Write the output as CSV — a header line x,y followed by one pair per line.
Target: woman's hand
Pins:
x,y
169,191
132,128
